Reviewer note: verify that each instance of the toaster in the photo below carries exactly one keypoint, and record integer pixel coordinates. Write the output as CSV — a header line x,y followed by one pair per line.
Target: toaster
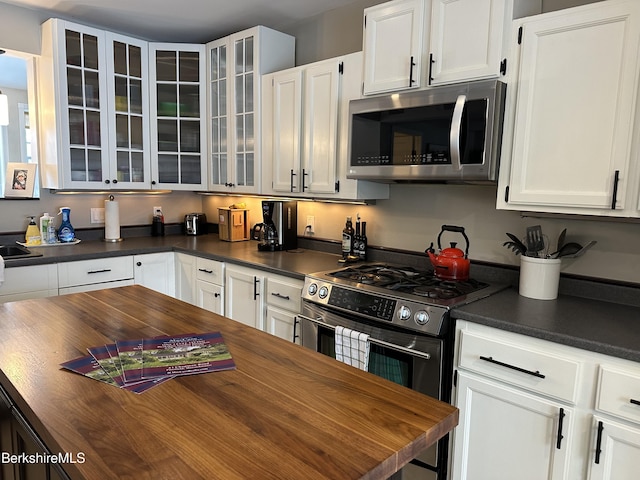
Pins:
x,y
195,224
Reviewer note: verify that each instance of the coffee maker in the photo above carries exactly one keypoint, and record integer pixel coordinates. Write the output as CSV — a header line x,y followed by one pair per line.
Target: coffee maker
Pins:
x,y
279,227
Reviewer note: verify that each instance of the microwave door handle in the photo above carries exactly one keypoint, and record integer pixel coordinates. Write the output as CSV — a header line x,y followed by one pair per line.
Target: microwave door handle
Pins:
x,y
375,341
454,133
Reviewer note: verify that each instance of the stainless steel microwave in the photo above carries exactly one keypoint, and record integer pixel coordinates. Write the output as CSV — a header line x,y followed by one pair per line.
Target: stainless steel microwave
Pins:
x,y
450,133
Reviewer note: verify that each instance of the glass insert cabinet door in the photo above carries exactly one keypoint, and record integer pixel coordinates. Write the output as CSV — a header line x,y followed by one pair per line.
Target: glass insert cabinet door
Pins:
x,y
178,131
128,85
232,116
86,107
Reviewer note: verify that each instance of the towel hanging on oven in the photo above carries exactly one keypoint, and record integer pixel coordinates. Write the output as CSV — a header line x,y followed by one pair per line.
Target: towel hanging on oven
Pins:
x,y
352,347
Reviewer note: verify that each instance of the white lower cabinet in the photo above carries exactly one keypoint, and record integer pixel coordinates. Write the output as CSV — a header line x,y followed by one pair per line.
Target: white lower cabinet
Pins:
x,y
156,271
87,275
185,268
34,281
244,295
534,409
283,297
210,285
505,433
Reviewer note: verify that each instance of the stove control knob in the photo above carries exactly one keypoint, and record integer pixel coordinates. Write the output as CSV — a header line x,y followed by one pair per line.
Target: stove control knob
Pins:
x,y
323,292
404,313
313,288
421,317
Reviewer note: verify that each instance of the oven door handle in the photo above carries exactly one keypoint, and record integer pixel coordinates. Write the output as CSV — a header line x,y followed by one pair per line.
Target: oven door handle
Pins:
x,y
382,343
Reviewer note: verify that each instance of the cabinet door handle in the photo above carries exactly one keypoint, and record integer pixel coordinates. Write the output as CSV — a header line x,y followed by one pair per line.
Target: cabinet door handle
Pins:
x,y
296,322
431,62
634,401
291,180
304,175
279,295
255,288
411,65
560,421
216,295
99,271
614,198
512,367
138,264
599,442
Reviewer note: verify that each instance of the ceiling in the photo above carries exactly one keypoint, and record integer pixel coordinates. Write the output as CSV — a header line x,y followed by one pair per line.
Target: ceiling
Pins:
x,y
195,21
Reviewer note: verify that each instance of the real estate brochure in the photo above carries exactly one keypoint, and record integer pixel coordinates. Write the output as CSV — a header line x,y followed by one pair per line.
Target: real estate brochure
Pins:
x,y
185,355
137,365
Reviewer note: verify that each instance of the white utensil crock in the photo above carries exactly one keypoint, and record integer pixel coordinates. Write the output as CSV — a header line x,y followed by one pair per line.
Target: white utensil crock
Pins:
x,y
539,277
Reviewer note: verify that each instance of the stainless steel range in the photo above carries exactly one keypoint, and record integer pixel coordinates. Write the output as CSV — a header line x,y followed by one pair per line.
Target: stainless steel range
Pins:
x,y
405,312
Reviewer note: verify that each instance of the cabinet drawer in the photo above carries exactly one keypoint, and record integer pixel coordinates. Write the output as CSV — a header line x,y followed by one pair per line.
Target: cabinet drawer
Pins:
x,y
284,293
520,365
210,271
619,392
31,278
100,270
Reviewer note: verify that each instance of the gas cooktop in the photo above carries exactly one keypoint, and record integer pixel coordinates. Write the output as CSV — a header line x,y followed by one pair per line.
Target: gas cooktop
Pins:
x,y
396,294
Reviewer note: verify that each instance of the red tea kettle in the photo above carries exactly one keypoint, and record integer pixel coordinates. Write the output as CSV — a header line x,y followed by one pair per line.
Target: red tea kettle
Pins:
x,y
452,263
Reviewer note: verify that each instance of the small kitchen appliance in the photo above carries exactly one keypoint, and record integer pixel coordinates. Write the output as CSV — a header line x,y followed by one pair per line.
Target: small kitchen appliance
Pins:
x,y
279,228
195,224
405,312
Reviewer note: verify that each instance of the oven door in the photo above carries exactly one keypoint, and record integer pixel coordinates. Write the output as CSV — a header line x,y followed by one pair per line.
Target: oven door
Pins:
x,y
414,361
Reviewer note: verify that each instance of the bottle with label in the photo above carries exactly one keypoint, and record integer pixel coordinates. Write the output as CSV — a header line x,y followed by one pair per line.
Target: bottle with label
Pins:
x,y
44,227
356,238
362,248
66,233
32,235
347,239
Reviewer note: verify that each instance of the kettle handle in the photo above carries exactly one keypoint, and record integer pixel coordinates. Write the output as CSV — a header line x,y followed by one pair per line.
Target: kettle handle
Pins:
x,y
453,228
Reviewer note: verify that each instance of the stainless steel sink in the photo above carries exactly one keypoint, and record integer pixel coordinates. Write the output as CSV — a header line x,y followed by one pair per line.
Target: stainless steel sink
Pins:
x,y
9,252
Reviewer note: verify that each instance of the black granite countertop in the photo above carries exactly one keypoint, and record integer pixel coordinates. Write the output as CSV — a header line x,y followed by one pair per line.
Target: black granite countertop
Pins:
x,y
586,323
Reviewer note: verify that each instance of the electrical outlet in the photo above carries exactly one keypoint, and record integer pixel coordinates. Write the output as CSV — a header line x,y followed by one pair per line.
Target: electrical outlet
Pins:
x,y
157,211
97,215
311,224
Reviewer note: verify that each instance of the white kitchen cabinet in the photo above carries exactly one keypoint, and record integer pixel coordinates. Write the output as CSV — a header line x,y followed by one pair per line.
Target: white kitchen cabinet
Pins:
x,y
95,274
616,450
504,433
210,285
306,131
178,116
93,88
33,281
568,139
155,271
616,442
235,65
532,409
284,301
470,38
186,278
244,295
395,45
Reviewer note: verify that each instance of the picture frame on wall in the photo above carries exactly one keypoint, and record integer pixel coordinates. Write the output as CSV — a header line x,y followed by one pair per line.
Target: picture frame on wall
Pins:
x,y
20,180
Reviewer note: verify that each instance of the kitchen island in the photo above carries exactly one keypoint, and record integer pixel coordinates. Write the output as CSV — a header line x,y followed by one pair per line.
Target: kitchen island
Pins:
x,y
284,412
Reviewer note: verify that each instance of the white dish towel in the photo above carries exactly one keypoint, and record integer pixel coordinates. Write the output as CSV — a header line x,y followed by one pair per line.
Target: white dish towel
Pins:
x,y
1,270
352,347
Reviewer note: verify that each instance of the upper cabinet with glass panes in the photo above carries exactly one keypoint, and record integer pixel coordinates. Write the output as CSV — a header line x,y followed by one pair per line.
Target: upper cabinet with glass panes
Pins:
x,y
234,66
93,87
178,133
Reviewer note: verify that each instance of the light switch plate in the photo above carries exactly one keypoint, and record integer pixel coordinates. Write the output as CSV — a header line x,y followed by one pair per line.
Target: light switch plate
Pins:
x,y
97,215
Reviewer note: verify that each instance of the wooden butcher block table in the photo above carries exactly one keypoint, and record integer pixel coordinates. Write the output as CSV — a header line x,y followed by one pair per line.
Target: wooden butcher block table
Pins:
x,y
284,412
